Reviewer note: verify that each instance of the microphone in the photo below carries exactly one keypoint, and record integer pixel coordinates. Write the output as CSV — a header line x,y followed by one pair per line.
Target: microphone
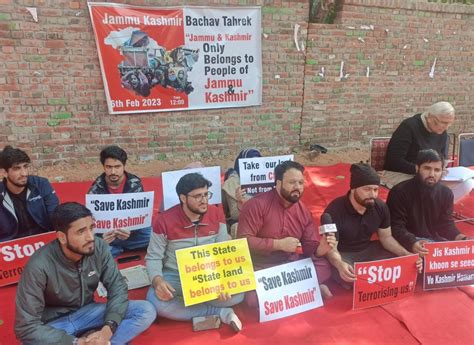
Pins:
x,y
327,226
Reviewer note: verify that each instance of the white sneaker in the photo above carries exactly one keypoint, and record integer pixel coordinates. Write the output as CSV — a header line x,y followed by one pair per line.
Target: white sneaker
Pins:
x,y
230,318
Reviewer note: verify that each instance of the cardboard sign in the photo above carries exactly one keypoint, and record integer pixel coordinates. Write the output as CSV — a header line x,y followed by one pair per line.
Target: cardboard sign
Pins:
x,y
171,178
177,58
449,264
208,270
287,290
384,281
127,211
14,255
256,174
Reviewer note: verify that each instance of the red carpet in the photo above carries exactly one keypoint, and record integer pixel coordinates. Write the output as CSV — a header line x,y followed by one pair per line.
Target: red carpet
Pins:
x,y
440,317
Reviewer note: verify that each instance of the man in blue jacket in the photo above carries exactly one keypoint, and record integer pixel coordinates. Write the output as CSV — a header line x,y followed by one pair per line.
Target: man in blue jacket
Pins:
x,y
26,202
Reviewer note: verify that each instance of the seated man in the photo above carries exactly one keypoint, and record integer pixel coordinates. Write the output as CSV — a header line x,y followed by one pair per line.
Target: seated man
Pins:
x,y
26,202
421,208
188,224
116,180
276,223
421,131
55,296
358,215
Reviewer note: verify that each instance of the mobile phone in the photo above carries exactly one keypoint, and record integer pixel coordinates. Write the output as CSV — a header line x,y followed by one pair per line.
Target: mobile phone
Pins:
x,y
128,259
203,323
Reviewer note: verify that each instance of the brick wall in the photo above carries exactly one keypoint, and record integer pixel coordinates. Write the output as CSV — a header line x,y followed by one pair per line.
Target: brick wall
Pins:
x,y
406,38
52,101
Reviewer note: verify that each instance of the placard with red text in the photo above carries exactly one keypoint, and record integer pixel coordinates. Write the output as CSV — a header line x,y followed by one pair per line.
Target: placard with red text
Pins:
x,y
384,281
14,255
449,264
287,289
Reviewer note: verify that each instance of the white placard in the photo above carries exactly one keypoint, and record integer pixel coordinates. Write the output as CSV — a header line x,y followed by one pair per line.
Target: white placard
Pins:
x,y
256,174
127,211
287,290
171,178
458,174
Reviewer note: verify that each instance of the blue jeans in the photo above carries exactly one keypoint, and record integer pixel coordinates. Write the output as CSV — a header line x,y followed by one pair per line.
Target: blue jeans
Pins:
x,y
138,239
174,309
139,316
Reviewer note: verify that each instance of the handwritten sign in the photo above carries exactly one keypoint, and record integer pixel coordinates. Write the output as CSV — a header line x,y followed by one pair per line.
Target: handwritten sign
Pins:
x,y
128,211
384,281
208,270
287,290
449,264
171,178
14,255
256,174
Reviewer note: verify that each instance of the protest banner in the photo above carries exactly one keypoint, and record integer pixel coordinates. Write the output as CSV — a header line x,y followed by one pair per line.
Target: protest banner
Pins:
x,y
256,174
177,58
127,211
448,264
384,281
171,178
287,289
208,270
14,255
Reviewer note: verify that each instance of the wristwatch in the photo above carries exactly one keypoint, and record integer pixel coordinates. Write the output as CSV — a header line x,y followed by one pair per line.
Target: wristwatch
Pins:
x,y
112,324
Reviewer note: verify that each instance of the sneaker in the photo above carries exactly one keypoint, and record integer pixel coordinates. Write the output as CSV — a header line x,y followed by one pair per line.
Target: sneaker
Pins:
x,y
230,318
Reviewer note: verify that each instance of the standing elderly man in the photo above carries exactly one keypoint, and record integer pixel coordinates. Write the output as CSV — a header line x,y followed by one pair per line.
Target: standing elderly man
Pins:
x,y
419,132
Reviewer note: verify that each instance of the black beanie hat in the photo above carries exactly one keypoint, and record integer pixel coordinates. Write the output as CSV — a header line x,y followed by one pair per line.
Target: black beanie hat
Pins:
x,y
363,175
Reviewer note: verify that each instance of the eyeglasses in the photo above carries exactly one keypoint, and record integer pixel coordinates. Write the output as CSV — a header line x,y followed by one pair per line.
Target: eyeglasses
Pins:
x,y
444,123
200,197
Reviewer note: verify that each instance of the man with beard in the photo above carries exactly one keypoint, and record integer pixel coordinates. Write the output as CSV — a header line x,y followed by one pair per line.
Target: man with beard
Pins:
x,y
26,202
55,296
276,223
421,208
116,180
358,215
191,223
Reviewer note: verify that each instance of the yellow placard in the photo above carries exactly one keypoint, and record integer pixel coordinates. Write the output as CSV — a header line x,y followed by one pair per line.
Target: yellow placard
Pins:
x,y
208,270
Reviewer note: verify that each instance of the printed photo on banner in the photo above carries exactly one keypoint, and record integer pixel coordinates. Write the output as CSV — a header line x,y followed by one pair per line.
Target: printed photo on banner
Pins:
x,y
287,289
170,180
162,59
256,174
15,254
128,211
448,264
208,270
384,281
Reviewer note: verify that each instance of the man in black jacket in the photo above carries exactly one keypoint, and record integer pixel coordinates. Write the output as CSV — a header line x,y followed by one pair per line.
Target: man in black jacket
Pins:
x,y
55,296
421,208
116,180
26,202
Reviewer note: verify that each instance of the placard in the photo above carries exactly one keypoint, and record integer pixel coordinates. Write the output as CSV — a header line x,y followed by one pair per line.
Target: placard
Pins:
x,y
287,289
384,281
256,174
14,255
126,211
448,264
208,270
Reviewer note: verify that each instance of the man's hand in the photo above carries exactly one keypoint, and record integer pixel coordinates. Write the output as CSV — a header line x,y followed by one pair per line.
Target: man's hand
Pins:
x,y
224,296
101,337
109,236
419,248
327,243
419,264
122,234
346,272
163,289
240,195
287,244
